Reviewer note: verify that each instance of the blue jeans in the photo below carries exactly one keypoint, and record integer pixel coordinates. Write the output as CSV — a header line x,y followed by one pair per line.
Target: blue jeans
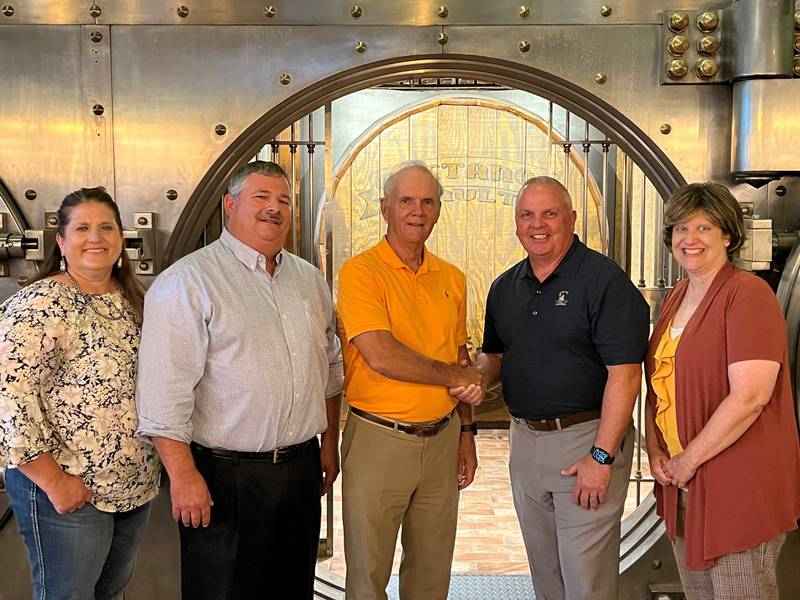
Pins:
x,y
84,555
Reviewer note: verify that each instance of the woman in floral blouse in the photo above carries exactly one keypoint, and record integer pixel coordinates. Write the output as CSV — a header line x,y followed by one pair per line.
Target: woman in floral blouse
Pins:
x,y
79,482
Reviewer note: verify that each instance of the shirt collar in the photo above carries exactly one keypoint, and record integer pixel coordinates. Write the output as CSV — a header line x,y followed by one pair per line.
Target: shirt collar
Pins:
x,y
568,265
246,255
387,254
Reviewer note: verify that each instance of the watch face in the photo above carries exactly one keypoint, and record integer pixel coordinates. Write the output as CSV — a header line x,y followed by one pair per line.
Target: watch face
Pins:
x,y
600,455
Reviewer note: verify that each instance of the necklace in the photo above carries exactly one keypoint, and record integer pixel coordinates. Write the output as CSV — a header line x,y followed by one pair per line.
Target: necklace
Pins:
x,y
90,301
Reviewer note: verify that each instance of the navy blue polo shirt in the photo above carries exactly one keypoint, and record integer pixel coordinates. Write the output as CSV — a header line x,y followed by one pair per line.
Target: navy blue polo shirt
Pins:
x,y
557,336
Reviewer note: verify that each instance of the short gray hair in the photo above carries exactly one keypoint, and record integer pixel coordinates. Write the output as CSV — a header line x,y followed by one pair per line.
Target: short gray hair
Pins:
x,y
262,167
545,180
390,183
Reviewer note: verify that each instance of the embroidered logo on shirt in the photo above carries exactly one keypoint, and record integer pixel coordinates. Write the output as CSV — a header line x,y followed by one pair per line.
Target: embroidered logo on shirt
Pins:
x,y
446,294
562,298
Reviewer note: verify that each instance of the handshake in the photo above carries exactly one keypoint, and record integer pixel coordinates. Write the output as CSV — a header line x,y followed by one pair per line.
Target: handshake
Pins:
x,y
468,385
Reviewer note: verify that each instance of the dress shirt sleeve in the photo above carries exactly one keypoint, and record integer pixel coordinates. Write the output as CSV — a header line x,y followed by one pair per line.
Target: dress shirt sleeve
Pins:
x,y
172,357
335,368
361,303
754,325
620,321
33,333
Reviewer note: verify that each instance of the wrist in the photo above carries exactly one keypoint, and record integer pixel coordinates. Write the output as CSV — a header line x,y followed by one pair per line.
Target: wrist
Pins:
x,y
469,429
601,456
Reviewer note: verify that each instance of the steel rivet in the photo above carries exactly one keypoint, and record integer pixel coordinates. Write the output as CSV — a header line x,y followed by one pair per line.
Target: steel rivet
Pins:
x,y
600,78
142,221
605,10
666,129
98,109
96,36
442,38
678,21
707,21
95,11
171,195
285,79
797,43
356,12
706,68
269,11
678,45
52,221
524,46
524,12
220,129
8,10
361,47
144,265
797,20
796,68
183,11
780,191
656,564
707,45
677,69
30,194
443,12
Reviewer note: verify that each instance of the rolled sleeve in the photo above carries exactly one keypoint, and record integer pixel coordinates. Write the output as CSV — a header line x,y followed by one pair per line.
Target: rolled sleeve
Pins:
x,y
335,366
172,357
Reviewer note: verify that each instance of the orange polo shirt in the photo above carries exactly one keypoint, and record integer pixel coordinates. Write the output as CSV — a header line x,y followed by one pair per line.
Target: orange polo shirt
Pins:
x,y
425,311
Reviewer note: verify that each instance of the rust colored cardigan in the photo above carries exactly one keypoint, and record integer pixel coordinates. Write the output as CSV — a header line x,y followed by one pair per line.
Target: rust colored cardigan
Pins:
x,y
749,492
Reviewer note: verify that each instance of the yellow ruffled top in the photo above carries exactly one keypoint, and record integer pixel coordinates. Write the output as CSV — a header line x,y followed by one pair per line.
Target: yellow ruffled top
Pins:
x,y
663,382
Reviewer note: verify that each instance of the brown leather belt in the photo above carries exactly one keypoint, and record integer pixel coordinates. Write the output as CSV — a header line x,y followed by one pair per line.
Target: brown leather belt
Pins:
x,y
418,429
561,422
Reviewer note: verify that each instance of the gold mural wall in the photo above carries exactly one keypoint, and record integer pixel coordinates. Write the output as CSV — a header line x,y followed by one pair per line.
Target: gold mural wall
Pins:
x,y
482,151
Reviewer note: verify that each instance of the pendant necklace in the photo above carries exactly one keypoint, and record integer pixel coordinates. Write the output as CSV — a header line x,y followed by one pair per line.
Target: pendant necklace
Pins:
x,y
90,301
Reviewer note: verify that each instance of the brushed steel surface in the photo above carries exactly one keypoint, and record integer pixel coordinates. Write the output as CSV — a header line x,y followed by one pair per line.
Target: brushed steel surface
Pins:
x,y
765,127
337,12
98,130
762,30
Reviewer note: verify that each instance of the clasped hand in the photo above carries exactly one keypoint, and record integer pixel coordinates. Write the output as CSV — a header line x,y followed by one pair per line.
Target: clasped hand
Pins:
x,y
469,388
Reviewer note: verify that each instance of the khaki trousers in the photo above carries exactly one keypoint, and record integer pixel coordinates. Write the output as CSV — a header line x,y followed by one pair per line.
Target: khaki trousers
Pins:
x,y
745,575
391,478
573,553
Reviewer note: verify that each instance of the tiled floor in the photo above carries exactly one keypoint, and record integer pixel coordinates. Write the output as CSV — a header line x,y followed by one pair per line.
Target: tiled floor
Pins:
x,y
488,540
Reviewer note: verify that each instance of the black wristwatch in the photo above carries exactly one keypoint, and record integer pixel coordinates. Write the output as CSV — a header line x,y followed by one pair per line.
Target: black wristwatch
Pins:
x,y
469,428
601,456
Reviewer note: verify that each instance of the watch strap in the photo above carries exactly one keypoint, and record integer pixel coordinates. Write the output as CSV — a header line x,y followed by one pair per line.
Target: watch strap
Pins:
x,y
469,428
601,456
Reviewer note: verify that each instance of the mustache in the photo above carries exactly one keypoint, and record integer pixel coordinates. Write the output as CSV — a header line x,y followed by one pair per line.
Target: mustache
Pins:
x,y
276,218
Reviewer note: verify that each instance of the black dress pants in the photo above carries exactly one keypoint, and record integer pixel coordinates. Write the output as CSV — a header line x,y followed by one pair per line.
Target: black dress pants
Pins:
x,y
264,532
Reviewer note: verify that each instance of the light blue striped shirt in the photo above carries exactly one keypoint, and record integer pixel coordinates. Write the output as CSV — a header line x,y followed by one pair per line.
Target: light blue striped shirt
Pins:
x,y
233,357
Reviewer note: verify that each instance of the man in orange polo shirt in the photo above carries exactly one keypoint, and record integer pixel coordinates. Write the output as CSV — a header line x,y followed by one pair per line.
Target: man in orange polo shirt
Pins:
x,y
408,446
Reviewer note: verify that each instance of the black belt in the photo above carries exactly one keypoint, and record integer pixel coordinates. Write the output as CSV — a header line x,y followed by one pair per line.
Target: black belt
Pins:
x,y
419,429
278,455
561,422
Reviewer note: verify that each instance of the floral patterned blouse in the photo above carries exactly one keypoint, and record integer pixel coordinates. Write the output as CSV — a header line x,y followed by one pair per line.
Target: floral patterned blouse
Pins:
x,y
67,374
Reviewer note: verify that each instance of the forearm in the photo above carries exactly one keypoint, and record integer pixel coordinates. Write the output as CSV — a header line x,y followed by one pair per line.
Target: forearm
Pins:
x,y
333,406
464,411
489,366
650,428
43,470
732,418
176,457
388,357
619,397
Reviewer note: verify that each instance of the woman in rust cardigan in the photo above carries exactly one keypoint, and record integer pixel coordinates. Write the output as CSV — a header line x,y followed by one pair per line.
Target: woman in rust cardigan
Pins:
x,y
720,422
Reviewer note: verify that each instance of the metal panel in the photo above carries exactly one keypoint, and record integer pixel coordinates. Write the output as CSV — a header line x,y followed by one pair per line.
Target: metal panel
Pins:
x,y
338,12
98,133
629,57
763,33
765,126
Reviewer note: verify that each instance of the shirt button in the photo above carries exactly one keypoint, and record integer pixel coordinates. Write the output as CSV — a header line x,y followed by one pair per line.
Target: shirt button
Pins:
x,y
294,353
535,313
285,317
538,291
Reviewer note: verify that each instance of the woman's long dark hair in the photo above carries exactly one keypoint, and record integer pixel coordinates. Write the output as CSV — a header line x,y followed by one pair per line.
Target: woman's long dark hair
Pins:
x,y
123,275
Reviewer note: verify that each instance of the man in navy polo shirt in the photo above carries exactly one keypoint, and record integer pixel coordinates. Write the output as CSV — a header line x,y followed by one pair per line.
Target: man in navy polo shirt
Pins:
x,y
566,331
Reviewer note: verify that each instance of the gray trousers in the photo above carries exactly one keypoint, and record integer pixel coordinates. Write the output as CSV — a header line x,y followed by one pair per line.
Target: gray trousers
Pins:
x,y
573,553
